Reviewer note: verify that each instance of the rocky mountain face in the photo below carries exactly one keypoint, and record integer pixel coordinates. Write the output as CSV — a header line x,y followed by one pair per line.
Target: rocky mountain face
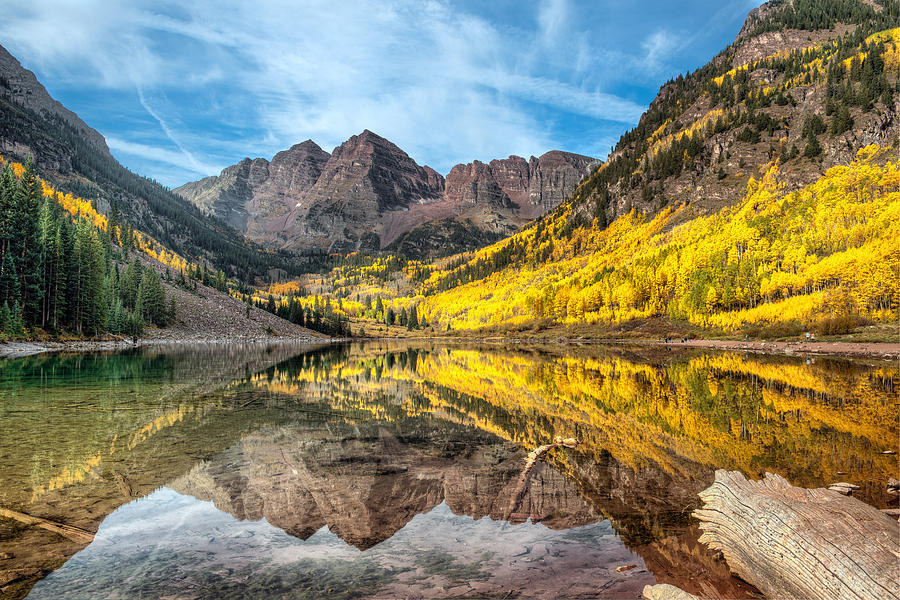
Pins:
x,y
369,194
789,71
20,89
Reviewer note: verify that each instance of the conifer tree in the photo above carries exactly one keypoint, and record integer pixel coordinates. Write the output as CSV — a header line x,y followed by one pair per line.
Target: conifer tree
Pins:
x,y
151,299
29,232
842,121
5,318
8,186
9,283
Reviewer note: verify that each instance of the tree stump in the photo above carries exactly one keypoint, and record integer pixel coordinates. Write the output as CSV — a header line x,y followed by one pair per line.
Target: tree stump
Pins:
x,y
797,543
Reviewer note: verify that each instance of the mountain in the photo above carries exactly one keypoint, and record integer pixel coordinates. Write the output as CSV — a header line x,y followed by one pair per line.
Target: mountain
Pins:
x,y
369,194
76,159
789,71
21,89
756,195
366,489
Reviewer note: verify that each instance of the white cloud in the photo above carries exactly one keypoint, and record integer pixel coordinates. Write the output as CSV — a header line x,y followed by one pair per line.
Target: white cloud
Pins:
x,y
552,18
659,46
160,155
186,154
442,83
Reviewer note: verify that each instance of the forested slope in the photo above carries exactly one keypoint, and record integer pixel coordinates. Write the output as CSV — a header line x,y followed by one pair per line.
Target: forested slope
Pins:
x,y
67,269
828,249
758,189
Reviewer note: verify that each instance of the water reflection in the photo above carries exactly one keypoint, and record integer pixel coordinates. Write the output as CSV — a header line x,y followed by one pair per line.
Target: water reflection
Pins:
x,y
410,455
172,545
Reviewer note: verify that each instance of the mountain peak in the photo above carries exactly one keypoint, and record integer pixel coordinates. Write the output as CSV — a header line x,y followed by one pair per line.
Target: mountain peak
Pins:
x,y
369,191
20,86
307,145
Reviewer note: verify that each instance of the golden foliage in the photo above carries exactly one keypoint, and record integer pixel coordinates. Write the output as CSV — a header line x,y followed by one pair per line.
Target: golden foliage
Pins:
x,y
829,248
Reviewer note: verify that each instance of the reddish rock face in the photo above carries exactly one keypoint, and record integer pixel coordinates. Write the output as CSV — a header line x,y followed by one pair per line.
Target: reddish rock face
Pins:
x,y
369,193
365,490
529,189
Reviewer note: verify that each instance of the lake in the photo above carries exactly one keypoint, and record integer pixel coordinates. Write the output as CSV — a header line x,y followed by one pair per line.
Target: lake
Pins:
x,y
397,470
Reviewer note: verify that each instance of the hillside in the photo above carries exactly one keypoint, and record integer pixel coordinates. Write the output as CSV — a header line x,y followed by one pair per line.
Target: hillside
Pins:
x,y
76,159
369,195
798,71
68,270
756,190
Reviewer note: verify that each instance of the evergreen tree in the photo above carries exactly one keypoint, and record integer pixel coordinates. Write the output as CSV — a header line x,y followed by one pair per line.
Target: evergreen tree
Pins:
x,y
842,121
9,283
130,282
8,187
16,326
5,318
58,285
813,148
29,232
151,299
89,280
413,322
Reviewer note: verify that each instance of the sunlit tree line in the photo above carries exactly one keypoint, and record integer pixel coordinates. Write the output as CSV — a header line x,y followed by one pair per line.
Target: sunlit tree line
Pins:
x,y
831,248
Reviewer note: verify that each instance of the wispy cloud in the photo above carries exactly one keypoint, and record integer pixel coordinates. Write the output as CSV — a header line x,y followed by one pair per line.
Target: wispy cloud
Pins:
x,y
169,133
163,156
552,18
447,80
659,46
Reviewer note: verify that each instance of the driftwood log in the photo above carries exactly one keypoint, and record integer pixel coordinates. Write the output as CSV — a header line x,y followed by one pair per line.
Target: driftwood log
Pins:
x,y
664,591
797,543
71,532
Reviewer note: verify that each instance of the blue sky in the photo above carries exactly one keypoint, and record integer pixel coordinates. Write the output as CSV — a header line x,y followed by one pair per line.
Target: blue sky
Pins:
x,y
184,89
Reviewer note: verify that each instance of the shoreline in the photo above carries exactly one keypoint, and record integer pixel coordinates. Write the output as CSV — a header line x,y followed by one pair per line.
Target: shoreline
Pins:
x,y
882,350
848,349
20,349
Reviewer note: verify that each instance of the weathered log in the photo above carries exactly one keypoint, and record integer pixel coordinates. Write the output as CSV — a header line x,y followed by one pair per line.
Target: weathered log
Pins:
x,y
664,591
530,461
797,543
75,534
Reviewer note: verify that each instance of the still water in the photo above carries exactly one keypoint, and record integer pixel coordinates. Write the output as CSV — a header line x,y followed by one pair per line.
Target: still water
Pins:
x,y
386,470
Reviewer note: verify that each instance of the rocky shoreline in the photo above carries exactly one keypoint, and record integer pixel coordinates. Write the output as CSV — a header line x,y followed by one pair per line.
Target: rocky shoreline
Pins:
x,y
21,349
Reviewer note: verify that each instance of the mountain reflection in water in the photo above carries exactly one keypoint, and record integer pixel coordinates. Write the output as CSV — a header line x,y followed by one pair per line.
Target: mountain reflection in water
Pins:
x,y
385,470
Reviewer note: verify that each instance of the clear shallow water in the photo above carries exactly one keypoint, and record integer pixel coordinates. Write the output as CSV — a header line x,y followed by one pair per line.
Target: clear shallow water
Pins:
x,y
385,470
